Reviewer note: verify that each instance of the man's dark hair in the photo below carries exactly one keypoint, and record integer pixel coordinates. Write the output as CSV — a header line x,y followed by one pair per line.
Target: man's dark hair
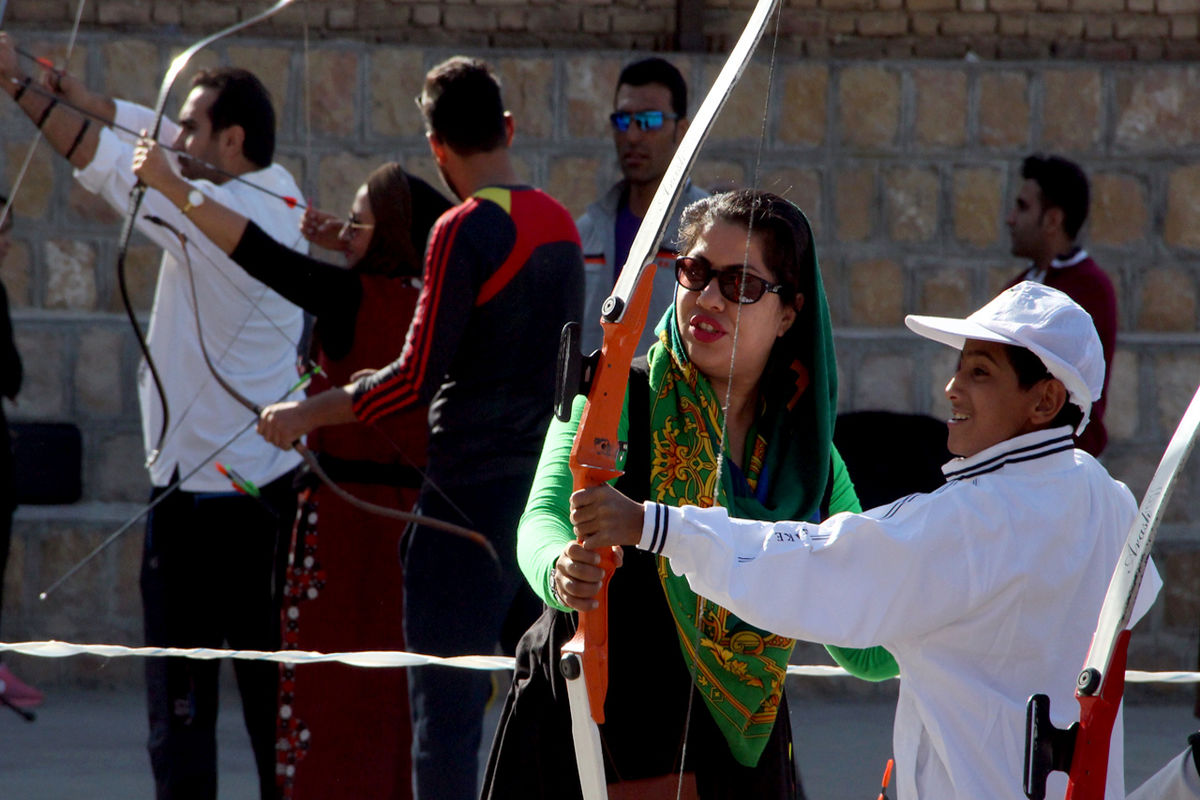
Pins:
x,y
1063,186
242,100
462,105
657,70
1030,369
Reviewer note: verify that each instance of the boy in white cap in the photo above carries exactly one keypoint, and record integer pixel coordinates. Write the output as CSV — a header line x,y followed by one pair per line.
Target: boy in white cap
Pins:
x,y
986,590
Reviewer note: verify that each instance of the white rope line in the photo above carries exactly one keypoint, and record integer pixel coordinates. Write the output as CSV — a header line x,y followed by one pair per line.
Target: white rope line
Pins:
x,y
396,658
364,658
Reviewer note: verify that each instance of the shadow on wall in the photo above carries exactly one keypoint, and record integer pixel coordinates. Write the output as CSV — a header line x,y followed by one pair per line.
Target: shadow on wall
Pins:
x,y
891,455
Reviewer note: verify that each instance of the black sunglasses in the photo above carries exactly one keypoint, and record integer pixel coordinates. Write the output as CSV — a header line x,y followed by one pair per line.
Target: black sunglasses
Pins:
x,y
736,284
646,120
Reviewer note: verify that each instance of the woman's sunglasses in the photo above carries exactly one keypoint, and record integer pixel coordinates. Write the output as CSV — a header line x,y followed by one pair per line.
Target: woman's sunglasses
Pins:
x,y
736,284
646,120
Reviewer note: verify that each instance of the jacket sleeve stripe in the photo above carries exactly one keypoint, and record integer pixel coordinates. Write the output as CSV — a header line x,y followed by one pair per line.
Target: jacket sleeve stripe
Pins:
x,y
403,387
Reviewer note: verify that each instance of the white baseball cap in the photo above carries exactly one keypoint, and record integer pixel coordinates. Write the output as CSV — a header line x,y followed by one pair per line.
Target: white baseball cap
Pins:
x,y
1044,321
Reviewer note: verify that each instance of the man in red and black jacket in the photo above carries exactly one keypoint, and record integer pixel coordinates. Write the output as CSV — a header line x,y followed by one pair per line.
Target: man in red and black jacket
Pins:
x,y
503,274
1044,223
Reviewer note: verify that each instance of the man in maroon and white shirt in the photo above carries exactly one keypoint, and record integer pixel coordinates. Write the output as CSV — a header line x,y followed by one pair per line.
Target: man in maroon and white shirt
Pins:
x,y
1044,223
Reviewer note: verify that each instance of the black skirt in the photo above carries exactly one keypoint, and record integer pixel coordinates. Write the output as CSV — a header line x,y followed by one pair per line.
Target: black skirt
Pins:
x,y
646,712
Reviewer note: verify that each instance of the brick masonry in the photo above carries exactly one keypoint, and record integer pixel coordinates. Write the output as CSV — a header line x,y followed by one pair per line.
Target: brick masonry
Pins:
x,y
1111,30
905,166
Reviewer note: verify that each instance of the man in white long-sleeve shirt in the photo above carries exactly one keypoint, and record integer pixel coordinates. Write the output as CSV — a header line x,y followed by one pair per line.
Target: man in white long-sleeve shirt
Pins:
x,y
211,556
986,591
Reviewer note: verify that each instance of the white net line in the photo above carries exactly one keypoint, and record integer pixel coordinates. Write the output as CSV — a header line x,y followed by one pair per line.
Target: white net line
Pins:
x,y
395,658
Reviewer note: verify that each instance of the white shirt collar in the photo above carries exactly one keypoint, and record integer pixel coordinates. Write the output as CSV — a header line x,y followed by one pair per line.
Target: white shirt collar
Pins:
x,y
1019,449
1038,275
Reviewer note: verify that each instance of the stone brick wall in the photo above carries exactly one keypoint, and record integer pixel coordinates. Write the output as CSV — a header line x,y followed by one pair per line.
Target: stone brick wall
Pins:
x,y
906,168
1008,29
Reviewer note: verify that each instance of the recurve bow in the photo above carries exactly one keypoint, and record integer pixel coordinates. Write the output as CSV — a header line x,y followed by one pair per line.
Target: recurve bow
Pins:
x,y
603,377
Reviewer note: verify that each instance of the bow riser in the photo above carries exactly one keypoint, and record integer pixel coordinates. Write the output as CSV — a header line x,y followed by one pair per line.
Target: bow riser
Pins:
x,y
1097,715
594,461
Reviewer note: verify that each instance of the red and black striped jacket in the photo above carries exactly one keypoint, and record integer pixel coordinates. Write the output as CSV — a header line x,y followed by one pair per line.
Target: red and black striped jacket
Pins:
x,y
503,274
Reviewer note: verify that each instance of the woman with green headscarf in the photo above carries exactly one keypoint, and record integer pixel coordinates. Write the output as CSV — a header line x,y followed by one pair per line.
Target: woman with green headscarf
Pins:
x,y
745,367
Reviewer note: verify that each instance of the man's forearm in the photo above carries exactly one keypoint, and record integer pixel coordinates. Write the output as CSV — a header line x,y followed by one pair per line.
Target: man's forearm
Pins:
x,y
100,106
332,407
69,133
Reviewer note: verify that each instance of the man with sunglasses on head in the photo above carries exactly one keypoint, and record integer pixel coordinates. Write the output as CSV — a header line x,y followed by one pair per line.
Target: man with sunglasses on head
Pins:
x,y
648,121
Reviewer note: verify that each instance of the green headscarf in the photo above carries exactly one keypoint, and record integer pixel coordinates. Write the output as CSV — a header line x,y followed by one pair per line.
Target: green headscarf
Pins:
x,y
740,669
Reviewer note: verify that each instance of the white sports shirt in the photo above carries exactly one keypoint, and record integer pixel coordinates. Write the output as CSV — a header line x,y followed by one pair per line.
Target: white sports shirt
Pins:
x,y
986,591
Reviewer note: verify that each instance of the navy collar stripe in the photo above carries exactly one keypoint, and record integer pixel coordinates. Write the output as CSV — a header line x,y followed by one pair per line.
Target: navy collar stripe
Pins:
x,y
1008,455
1013,460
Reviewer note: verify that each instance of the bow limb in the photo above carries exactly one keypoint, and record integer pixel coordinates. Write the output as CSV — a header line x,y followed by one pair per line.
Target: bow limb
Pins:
x,y
304,452
135,204
596,448
385,511
1082,749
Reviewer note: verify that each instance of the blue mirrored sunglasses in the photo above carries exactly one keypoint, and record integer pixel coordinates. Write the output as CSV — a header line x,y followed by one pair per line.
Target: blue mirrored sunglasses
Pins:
x,y
646,120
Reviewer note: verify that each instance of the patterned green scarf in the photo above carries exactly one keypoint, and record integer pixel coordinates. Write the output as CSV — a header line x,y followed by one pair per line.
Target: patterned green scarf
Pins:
x,y
739,669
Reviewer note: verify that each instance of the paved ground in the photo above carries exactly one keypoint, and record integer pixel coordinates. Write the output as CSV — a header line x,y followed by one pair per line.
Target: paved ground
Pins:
x,y
91,745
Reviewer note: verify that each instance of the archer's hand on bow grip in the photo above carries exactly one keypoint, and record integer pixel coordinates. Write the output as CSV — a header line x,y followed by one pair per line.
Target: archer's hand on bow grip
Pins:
x,y
594,461
604,518
150,164
282,424
578,577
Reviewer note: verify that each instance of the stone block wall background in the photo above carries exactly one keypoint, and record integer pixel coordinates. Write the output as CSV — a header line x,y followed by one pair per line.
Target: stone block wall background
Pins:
x,y
905,166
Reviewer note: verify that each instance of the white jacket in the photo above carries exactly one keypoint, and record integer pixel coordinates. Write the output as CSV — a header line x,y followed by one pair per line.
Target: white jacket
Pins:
x,y
986,591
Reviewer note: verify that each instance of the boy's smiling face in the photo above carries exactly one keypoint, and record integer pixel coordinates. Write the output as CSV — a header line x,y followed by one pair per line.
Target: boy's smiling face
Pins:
x,y
987,403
